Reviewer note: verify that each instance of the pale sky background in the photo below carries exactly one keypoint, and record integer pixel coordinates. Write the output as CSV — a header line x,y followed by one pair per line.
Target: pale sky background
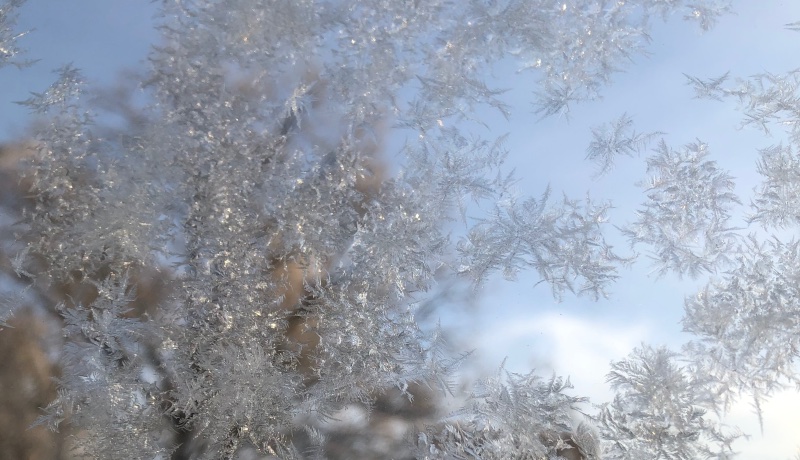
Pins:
x,y
580,337
577,337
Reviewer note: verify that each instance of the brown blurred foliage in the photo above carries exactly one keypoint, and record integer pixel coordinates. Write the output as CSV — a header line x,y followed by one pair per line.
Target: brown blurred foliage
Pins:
x,y
26,386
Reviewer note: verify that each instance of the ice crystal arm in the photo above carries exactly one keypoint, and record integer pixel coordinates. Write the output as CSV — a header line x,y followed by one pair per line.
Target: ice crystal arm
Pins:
x,y
706,14
685,218
60,94
709,88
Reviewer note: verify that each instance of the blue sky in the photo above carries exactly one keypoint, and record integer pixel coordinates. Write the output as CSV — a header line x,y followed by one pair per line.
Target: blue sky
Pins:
x,y
99,37
577,337
654,93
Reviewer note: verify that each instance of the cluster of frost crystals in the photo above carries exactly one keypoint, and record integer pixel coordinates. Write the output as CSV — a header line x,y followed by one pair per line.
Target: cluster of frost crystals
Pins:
x,y
453,167
251,188
660,411
749,335
614,139
563,244
765,99
102,386
9,49
747,320
685,219
777,199
587,51
512,416
85,242
573,46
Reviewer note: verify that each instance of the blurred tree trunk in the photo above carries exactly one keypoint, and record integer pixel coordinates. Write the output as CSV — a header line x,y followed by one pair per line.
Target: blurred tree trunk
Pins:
x,y
26,385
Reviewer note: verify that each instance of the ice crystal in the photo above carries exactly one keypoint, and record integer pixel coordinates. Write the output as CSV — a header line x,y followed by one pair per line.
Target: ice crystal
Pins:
x,y
747,321
686,217
660,411
766,99
776,201
9,49
511,416
563,244
615,139
60,94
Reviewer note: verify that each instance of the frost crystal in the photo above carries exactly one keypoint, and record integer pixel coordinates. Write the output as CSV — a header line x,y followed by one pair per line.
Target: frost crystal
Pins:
x,y
515,416
766,99
617,138
563,244
778,198
747,321
660,411
685,219
9,51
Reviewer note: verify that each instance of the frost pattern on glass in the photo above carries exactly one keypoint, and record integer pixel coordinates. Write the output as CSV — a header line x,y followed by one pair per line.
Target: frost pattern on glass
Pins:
x,y
512,416
777,199
747,321
614,139
766,100
9,35
660,410
588,50
252,191
564,244
685,219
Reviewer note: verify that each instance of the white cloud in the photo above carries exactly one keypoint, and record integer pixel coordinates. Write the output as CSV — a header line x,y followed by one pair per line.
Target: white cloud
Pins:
x,y
582,348
781,415
568,345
